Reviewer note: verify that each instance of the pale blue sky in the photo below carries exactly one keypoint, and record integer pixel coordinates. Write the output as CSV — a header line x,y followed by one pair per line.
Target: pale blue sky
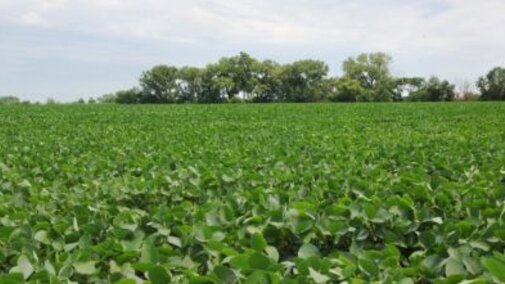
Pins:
x,y
67,49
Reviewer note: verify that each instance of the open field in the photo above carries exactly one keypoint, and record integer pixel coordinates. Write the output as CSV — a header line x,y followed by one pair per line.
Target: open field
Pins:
x,y
295,193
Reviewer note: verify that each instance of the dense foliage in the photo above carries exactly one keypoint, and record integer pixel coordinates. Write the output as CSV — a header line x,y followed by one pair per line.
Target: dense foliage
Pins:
x,y
492,86
243,78
11,100
433,90
394,193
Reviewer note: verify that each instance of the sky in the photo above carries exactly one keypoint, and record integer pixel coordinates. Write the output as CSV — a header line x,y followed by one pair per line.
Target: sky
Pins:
x,y
71,49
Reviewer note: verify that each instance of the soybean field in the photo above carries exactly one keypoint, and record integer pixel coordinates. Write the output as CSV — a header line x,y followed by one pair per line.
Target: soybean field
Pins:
x,y
252,193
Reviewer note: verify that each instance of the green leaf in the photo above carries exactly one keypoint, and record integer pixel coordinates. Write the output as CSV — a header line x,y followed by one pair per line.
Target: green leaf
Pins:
x,y
225,274
472,265
149,252
318,277
48,266
24,267
240,261
12,278
175,241
431,264
368,267
42,237
494,266
227,179
25,184
259,261
261,277
258,242
204,280
65,271
158,275
126,281
480,245
86,267
272,253
454,267
406,281
308,250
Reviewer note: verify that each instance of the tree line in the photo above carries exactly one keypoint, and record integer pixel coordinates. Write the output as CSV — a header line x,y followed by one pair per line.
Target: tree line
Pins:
x,y
366,78
242,78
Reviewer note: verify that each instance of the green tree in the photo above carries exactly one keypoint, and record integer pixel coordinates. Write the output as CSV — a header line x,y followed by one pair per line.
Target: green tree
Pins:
x,y
211,86
235,76
267,83
372,71
51,101
129,96
189,84
434,90
303,81
243,71
345,89
492,86
405,87
9,100
107,99
159,84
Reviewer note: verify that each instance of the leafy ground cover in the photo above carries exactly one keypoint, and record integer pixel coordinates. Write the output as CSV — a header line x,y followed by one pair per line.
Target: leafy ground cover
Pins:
x,y
393,193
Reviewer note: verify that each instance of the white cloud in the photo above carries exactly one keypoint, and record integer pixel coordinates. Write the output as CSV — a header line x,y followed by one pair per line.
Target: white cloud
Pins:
x,y
32,18
403,26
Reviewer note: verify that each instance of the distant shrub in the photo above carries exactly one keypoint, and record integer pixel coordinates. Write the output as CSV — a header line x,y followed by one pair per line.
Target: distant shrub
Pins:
x,y
9,100
492,86
51,101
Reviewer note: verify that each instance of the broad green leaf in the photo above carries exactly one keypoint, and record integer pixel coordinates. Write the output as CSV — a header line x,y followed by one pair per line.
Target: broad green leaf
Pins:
x,y
225,274
24,267
261,277
258,242
480,245
494,266
240,262
259,261
368,267
175,241
204,280
454,267
85,267
12,278
149,252
308,250
318,277
126,281
272,253
25,184
472,265
42,237
158,275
